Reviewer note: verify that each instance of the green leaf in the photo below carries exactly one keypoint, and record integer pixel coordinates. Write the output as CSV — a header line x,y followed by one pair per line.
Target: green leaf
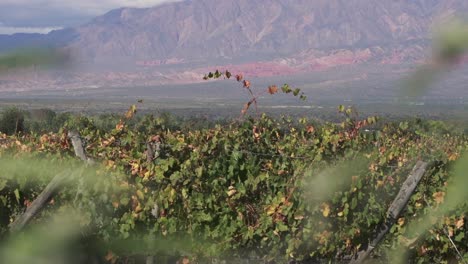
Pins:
x,y
2,184
460,237
296,91
124,201
282,227
17,195
286,88
140,195
199,171
353,203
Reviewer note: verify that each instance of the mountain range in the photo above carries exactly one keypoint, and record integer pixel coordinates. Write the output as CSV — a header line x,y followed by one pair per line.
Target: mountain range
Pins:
x,y
178,41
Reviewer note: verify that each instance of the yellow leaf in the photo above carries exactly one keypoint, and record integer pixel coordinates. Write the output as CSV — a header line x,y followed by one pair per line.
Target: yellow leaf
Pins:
x,y
447,221
135,167
459,223
453,156
110,164
138,208
147,175
380,184
131,112
140,195
325,209
271,210
231,192
348,243
401,221
173,195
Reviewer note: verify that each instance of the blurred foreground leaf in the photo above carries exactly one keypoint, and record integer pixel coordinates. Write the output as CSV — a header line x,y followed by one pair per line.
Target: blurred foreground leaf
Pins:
x,y
34,57
449,45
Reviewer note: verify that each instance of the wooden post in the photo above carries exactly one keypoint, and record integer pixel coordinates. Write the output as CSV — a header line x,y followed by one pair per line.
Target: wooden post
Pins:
x,y
39,203
394,211
78,147
149,259
51,189
149,152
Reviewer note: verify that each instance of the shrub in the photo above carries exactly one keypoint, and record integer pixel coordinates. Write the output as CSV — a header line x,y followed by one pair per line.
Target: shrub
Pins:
x,y
12,121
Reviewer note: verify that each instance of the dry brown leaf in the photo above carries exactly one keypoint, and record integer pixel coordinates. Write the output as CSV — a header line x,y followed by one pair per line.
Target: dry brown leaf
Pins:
x,y
408,242
119,126
439,197
246,107
272,89
450,231
131,112
110,257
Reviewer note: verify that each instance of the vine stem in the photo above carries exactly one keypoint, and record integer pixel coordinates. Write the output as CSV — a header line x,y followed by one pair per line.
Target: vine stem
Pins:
x,y
455,247
451,241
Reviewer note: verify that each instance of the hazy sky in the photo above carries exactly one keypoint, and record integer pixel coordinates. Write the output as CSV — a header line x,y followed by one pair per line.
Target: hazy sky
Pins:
x,y
44,15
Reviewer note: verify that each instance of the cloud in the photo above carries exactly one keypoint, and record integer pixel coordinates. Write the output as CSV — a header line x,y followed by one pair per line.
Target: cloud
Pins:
x,y
93,7
5,30
46,13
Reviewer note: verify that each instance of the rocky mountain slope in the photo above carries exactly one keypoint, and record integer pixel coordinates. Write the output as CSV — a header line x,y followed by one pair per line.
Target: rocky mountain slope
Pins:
x,y
198,29
264,37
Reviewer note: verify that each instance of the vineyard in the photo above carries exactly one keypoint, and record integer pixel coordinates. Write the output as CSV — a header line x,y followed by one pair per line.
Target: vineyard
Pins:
x,y
152,188
268,190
